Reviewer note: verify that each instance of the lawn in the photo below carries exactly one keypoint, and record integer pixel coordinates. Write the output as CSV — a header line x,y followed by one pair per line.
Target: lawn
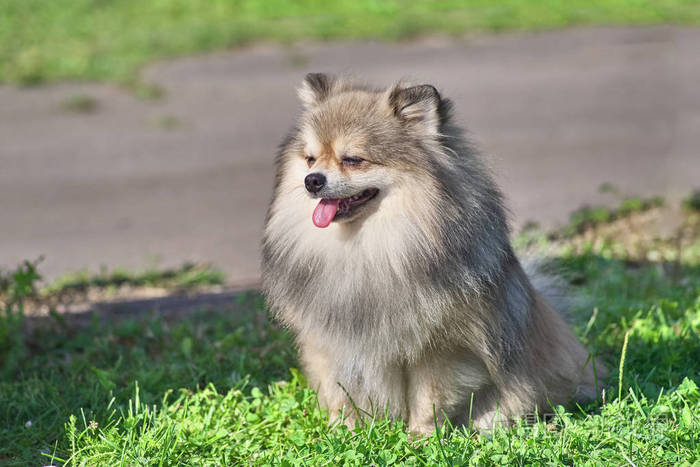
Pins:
x,y
220,387
43,40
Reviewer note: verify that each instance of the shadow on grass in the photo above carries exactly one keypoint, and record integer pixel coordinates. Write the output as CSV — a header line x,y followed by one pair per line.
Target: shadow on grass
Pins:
x,y
72,365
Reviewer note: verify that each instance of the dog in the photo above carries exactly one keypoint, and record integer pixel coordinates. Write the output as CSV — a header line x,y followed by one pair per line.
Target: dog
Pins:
x,y
386,251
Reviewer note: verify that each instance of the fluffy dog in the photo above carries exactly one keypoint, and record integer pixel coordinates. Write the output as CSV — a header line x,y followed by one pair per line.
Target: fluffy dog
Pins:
x,y
386,251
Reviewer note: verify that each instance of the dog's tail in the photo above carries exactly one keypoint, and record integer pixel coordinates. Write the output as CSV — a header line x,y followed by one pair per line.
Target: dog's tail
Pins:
x,y
549,282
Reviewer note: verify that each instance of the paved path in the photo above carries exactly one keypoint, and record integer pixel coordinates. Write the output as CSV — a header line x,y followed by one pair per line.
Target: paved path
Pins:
x,y
189,177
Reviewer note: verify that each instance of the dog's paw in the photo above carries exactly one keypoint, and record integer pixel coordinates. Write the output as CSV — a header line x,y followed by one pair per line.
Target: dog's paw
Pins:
x,y
418,432
340,417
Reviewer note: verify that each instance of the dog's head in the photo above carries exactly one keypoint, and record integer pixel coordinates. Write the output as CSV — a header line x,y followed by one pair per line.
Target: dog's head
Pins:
x,y
356,144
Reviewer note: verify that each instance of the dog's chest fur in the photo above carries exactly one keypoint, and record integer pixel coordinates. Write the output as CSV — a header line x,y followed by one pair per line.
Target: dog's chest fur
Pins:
x,y
364,289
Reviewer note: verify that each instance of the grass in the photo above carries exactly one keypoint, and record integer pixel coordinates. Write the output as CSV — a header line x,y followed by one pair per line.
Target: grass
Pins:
x,y
44,40
187,276
692,202
219,387
590,216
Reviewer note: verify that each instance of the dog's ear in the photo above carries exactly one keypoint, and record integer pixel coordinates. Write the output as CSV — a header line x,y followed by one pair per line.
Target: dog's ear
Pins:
x,y
417,105
315,89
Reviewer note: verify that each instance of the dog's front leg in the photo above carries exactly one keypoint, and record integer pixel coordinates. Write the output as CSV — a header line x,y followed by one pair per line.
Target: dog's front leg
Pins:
x,y
352,387
321,369
441,385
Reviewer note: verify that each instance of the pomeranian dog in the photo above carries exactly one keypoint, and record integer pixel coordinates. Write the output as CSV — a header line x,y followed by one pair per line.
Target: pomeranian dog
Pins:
x,y
386,251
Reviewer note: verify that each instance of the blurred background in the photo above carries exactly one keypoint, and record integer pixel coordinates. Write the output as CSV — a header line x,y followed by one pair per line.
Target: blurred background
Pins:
x,y
141,135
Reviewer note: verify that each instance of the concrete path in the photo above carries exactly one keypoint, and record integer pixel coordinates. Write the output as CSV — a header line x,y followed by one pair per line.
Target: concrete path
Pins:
x,y
188,177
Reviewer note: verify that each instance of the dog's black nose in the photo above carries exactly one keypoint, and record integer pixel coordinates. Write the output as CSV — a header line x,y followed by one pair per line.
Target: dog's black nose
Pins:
x,y
314,182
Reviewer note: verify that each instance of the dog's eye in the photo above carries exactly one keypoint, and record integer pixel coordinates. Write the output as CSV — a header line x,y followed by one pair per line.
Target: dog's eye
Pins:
x,y
352,161
310,160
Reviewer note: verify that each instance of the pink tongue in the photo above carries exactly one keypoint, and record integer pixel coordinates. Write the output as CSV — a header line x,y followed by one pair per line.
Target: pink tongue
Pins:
x,y
325,212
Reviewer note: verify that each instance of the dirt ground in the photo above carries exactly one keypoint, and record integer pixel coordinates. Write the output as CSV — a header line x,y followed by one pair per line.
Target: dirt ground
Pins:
x,y
91,175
